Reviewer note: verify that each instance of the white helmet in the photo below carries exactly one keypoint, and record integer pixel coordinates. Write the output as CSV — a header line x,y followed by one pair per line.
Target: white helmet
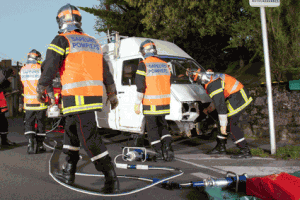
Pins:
x,y
205,77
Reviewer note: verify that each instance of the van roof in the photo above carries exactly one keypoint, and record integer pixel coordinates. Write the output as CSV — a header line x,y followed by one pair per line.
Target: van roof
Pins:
x,y
130,47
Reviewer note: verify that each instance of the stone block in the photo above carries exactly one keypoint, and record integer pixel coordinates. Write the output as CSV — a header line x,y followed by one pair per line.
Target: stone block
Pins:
x,y
265,111
282,133
254,111
246,128
263,121
297,120
260,101
259,131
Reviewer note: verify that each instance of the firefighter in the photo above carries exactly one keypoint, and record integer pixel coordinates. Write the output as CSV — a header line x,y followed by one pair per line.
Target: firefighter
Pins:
x,y
5,82
35,112
153,91
83,72
230,98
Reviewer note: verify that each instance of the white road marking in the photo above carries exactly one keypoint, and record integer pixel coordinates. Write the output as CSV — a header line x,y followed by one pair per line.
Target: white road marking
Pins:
x,y
202,175
201,166
200,156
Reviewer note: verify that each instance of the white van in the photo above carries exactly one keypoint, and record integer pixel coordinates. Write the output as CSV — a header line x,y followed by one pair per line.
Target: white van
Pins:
x,y
187,98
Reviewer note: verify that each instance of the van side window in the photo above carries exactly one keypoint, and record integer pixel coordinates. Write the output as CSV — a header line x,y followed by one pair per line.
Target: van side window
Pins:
x,y
129,70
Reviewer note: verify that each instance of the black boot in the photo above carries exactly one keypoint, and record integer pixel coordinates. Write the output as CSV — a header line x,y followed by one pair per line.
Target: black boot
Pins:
x,y
244,153
111,184
5,141
220,148
30,148
158,155
168,151
67,174
40,146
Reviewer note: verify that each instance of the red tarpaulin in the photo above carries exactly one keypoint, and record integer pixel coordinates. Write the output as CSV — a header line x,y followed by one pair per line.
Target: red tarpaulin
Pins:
x,y
277,186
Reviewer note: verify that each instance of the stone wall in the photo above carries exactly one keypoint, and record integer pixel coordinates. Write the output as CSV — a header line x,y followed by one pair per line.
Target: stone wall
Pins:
x,y
286,107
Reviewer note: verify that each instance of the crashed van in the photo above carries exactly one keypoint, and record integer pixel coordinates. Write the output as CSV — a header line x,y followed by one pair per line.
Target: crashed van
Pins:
x,y
187,98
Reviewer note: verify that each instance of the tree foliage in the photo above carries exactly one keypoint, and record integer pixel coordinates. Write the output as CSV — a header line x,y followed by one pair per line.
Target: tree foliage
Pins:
x,y
117,15
283,30
210,30
178,18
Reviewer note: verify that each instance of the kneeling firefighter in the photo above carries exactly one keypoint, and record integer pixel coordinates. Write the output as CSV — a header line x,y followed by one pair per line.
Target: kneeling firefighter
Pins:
x,y
83,72
34,110
230,98
154,92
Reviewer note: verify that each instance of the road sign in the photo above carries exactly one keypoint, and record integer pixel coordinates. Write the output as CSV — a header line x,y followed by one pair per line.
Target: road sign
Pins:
x,y
264,3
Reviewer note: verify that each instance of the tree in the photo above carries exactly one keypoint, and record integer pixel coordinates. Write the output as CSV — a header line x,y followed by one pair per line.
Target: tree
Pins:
x,y
117,15
201,28
283,31
177,18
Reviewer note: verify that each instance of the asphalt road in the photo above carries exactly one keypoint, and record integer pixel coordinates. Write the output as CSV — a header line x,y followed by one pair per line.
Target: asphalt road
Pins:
x,y
24,176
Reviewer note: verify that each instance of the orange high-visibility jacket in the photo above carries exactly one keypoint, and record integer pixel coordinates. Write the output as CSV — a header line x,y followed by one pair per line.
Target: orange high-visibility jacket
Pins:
x,y
158,87
30,74
236,97
82,74
230,84
3,104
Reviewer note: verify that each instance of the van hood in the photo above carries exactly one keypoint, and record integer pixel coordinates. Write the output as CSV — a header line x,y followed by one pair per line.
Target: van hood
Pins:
x,y
190,92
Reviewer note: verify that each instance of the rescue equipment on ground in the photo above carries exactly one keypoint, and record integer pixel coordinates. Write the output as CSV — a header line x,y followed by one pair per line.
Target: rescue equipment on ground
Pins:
x,y
287,185
134,154
140,154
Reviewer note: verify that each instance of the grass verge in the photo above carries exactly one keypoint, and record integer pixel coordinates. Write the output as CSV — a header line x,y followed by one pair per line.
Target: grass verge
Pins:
x,y
287,152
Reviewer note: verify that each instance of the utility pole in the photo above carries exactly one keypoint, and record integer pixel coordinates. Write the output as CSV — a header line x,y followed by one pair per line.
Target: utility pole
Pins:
x,y
262,4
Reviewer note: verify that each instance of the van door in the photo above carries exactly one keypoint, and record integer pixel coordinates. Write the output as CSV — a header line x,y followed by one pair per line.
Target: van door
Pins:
x,y
129,121
107,117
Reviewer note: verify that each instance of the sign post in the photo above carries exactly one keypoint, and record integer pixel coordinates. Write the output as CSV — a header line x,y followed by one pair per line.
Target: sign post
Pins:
x,y
262,4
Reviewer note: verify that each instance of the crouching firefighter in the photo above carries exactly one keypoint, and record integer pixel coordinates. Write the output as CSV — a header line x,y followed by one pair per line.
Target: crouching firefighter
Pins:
x,y
83,72
35,112
154,92
230,98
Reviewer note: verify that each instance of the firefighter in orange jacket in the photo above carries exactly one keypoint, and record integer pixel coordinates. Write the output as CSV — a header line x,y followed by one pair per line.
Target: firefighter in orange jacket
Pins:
x,y
35,112
230,98
154,92
83,72
4,84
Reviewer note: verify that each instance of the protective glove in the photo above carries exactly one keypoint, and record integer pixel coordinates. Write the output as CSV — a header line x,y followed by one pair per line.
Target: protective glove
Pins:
x,y
41,93
223,130
137,109
113,100
20,107
52,98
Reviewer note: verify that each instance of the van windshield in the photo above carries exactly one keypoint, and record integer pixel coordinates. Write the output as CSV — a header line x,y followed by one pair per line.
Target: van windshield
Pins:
x,y
178,66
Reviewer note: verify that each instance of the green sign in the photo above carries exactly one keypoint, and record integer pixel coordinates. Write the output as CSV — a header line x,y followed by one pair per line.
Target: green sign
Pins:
x,y
294,85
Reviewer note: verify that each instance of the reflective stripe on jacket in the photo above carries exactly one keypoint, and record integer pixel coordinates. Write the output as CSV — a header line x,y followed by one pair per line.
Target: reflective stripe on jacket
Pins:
x,y
236,96
230,84
30,74
157,94
3,104
81,74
